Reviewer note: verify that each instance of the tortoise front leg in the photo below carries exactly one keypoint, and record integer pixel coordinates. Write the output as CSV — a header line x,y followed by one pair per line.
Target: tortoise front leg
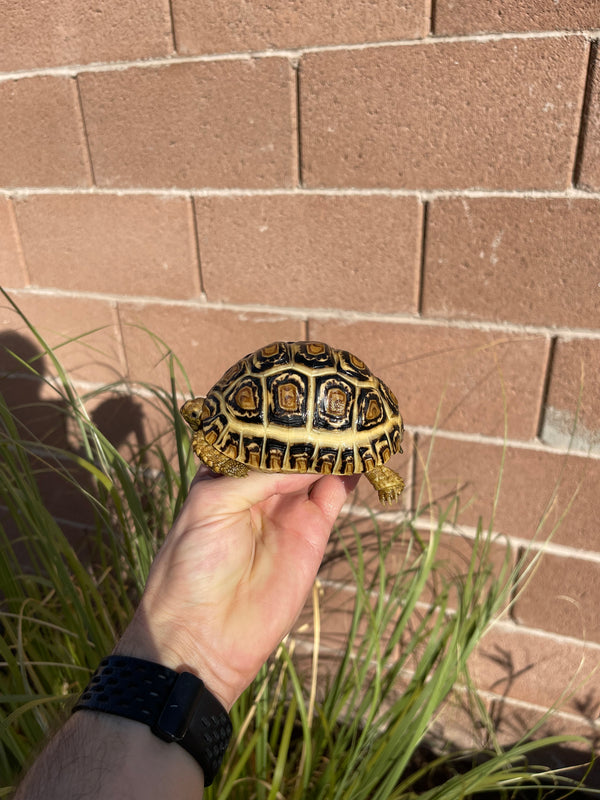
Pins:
x,y
215,460
388,483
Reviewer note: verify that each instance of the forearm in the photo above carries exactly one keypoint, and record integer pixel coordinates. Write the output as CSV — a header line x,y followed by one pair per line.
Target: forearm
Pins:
x,y
101,756
105,757
227,585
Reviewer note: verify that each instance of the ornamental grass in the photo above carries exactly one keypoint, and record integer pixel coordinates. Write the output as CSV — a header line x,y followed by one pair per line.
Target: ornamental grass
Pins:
x,y
350,722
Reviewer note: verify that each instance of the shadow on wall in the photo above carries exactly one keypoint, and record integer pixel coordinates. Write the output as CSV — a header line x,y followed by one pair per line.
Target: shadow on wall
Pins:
x,y
43,420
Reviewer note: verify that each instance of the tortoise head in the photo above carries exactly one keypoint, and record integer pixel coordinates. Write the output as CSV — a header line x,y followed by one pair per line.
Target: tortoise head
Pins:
x,y
192,412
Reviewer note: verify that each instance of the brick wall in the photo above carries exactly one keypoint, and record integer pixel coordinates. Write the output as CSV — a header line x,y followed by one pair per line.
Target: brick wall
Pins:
x,y
417,182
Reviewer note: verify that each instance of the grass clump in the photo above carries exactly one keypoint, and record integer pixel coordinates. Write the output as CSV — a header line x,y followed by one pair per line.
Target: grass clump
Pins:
x,y
351,724
343,724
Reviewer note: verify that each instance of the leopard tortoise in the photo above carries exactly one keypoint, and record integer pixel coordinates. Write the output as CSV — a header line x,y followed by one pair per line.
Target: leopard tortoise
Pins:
x,y
299,407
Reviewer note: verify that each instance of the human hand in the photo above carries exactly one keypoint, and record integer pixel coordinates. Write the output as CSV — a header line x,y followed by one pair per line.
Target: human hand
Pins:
x,y
234,573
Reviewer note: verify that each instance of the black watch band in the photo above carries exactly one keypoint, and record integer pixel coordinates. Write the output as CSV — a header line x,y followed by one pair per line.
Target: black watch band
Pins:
x,y
176,706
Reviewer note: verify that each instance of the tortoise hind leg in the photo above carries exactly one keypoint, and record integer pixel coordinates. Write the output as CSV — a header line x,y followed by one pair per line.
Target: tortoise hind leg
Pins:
x,y
388,483
215,460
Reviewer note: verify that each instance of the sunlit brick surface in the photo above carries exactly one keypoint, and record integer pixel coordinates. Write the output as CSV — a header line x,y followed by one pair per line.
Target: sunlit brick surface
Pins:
x,y
495,115
42,141
473,16
416,182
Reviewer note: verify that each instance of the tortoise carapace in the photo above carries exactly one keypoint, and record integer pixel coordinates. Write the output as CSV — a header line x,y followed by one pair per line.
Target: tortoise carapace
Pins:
x,y
299,407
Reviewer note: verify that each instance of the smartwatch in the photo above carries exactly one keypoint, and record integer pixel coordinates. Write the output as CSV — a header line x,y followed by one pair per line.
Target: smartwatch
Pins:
x,y
175,705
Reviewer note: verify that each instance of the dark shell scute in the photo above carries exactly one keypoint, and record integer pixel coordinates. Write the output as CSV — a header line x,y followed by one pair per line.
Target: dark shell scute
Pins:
x,y
230,444
301,456
348,465
252,452
383,449
353,366
396,438
325,459
214,426
287,393
371,412
232,373
390,397
315,355
368,458
269,356
334,403
245,399
275,451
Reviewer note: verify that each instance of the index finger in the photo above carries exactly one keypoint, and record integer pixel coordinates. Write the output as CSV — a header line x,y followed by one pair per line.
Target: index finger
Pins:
x,y
239,494
327,492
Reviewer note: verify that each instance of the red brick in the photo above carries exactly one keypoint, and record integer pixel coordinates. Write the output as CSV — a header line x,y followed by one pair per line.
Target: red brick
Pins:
x,y
207,341
223,123
336,606
138,245
512,259
42,141
557,494
12,268
96,356
501,114
589,167
572,414
539,669
342,556
311,251
37,34
508,721
473,16
215,27
338,585
452,378
452,558
562,597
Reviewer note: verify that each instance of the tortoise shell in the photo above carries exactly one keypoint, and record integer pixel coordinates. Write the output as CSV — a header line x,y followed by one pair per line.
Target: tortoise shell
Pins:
x,y
302,407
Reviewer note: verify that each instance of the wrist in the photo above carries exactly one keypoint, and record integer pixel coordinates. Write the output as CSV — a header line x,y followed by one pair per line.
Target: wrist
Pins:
x,y
174,648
